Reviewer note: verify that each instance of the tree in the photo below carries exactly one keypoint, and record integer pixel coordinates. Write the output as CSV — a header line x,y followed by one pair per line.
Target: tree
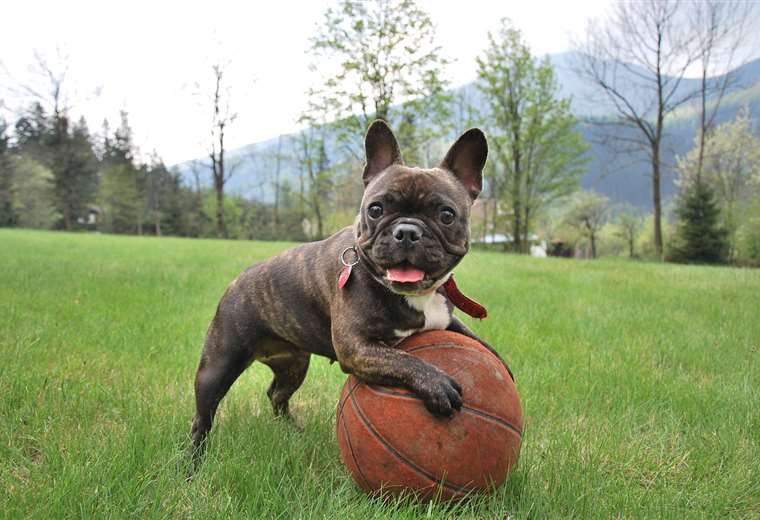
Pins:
x,y
34,200
119,148
587,215
387,66
636,60
118,199
292,204
222,117
61,150
31,132
730,161
73,164
537,149
629,225
63,147
699,236
311,153
748,247
200,218
7,215
156,191
721,27
166,200
120,170
48,83
177,205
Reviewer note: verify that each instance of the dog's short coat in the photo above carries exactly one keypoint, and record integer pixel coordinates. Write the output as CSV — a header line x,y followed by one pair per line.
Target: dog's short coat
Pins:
x,y
411,231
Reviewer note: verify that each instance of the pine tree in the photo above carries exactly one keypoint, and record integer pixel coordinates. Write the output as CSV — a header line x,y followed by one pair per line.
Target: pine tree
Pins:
x,y
32,131
162,202
123,195
699,238
177,206
74,167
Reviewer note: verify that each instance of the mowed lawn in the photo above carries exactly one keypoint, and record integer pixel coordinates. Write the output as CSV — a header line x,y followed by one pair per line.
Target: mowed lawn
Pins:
x,y
640,384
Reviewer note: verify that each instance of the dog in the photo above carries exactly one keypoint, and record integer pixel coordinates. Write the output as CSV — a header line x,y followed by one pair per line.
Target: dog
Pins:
x,y
355,295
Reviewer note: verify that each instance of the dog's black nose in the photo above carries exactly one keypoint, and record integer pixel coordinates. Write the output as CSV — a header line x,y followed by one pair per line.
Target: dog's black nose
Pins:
x,y
407,233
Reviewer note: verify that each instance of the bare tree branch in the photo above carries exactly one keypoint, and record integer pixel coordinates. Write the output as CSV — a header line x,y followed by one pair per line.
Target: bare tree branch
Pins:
x,y
650,45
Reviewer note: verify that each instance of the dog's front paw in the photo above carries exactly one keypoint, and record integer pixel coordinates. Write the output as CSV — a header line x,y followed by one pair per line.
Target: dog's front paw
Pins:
x,y
440,393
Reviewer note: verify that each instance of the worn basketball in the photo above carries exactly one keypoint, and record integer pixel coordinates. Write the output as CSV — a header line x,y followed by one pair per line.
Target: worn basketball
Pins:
x,y
390,443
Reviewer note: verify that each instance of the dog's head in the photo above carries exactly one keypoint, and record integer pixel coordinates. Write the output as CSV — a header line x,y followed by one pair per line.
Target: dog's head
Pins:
x,y
413,226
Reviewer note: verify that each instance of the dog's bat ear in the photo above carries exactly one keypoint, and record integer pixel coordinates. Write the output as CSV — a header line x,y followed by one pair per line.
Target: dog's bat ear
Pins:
x,y
382,150
466,159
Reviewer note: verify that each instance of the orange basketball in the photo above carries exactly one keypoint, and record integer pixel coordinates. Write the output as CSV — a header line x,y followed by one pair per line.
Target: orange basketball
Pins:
x,y
391,443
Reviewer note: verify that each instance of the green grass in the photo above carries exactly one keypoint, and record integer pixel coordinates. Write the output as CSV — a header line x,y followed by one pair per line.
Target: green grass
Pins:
x,y
640,385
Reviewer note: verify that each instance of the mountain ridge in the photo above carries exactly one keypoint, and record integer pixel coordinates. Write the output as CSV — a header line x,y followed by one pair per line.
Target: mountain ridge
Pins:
x,y
622,179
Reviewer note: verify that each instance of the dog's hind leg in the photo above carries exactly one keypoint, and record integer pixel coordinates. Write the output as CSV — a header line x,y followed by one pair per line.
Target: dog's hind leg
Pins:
x,y
225,356
289,365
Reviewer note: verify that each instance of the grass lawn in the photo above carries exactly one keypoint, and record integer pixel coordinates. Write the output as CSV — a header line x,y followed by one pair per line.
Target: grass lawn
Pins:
x,y
640,385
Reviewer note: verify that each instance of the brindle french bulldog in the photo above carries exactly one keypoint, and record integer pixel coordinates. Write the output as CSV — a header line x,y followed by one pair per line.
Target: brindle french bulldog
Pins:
x,y
411,231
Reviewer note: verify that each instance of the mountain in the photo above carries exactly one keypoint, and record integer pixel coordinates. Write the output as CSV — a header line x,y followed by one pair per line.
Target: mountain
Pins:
x,y
625,179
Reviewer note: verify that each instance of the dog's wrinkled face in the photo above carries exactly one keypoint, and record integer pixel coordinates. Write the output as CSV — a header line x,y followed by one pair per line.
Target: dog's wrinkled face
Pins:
x,y
413,226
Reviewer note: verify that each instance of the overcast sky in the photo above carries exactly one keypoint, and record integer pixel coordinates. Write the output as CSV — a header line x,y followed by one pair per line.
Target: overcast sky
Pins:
x,y
146,57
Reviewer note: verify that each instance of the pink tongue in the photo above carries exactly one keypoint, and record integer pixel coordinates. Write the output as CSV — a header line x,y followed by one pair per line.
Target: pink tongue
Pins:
x,y
405,274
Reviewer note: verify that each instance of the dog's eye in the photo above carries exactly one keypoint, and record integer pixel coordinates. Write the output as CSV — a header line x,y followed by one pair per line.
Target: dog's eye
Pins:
x,y
375,210
447,215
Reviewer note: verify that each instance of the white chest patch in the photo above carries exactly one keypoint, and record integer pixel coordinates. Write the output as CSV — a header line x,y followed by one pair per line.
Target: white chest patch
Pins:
x,y
435,309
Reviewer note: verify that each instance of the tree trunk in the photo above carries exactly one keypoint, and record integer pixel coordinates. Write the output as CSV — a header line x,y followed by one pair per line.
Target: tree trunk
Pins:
x,y
656,200
66,219
516,216
221,227
219,179
702,126
656,142
485,221
593,245
139,214
198,204
516,203
494,212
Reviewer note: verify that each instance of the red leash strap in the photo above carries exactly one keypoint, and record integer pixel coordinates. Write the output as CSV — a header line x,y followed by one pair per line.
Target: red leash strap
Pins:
x,y
462,302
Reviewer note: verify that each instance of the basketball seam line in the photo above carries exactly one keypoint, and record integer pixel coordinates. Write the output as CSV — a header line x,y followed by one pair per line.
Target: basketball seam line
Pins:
x,y
342,402
454,487
341,420
348,435
353,455
456,345
470,409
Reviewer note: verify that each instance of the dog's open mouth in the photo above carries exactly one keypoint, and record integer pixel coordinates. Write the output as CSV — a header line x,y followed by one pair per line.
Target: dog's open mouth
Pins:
x,y
404,273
